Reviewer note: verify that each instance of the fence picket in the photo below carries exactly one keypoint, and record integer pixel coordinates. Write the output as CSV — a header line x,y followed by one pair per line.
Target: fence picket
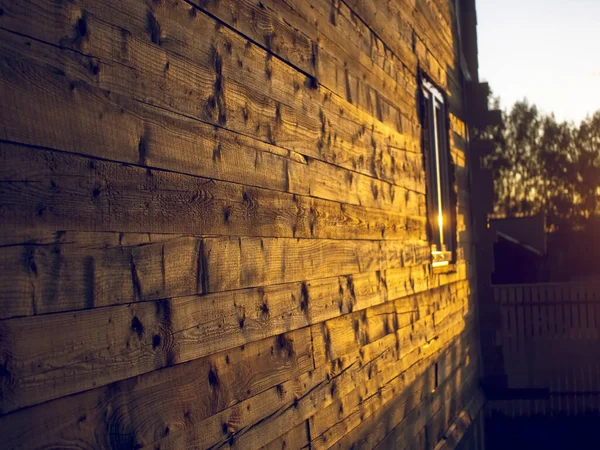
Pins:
x,y
551,340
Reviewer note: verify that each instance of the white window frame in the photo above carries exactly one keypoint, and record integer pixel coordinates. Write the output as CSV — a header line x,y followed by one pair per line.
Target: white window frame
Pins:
x,y
438,157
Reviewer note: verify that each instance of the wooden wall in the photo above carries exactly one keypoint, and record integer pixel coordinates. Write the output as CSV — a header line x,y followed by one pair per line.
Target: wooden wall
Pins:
x,y
213,226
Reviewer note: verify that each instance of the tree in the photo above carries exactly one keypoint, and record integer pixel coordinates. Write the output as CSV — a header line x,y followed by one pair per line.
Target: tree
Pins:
x,y
587,148
541,165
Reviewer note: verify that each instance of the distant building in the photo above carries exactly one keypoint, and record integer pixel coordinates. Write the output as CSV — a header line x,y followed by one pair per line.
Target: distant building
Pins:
x,y
520,248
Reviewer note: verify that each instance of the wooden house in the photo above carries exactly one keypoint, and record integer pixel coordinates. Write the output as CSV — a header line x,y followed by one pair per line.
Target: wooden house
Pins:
x,y
237,224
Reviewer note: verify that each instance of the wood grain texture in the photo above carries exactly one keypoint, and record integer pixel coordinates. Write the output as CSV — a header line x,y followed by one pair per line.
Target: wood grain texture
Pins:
x,y
219,86
308,36
399,421
214,227
98,346
295,439
44,190
300,400
68,271
123,414
155,137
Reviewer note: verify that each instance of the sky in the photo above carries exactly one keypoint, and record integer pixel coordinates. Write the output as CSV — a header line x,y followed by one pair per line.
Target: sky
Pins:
x,y
545,50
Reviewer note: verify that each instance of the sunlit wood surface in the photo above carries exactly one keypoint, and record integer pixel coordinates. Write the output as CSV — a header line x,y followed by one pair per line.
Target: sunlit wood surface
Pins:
x,y
214,228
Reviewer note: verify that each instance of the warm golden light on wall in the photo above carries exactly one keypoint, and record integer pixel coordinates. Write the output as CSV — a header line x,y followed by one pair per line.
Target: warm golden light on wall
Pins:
x,y
440,263
438,255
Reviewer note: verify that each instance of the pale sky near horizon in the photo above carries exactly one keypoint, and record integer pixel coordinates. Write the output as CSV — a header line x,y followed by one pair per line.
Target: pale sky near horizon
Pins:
x,y
545,50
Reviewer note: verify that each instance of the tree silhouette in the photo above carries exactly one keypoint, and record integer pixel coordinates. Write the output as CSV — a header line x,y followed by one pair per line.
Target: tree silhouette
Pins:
x,y
541,165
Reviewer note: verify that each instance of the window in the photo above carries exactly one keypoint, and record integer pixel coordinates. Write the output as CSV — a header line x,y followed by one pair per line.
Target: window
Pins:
x,y
441,216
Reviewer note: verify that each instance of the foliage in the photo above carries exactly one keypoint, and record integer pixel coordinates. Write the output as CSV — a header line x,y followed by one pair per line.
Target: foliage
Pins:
x,y
542,165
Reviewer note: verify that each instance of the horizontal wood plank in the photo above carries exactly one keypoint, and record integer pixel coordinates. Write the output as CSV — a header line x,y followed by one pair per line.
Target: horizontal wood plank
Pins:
x,y
290,114
98,346
282,411
68,271
161,402
215,228
45,190
148,135
323,41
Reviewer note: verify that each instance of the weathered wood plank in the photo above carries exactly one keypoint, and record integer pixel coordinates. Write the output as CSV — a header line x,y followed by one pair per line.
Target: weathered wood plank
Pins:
x,y
104,345
68,271
291,115
341,414
332,423
397,37
436,30
44,190
381,134
338,336
371,428
141,334
403,434
253,422
366,72
295,439
161,402
271,413
468,417
322,40
98,346
397,373
215,226
400,419
412,32
155,137
455,395
17,283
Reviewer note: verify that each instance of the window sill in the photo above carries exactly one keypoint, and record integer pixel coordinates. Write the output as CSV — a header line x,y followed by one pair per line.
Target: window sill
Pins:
x,y
447,268
440,259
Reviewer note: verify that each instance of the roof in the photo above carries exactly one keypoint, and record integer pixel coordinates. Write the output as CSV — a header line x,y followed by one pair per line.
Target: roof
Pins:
x,y
528,232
